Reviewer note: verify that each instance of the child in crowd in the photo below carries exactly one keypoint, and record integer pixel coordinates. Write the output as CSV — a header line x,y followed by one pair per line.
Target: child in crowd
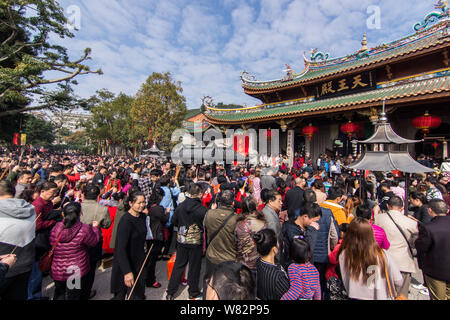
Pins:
x,y
303,276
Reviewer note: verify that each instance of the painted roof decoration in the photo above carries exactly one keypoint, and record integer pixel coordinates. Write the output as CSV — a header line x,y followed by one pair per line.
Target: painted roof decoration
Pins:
x,y
427,34
415,88
442,12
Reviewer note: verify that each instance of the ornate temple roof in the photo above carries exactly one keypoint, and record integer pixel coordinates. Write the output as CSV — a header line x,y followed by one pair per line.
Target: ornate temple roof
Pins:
x,y
401,92
425,39
388,161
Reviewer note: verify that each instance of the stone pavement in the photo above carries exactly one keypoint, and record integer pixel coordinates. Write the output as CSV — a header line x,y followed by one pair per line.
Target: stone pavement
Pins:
x,y
102,285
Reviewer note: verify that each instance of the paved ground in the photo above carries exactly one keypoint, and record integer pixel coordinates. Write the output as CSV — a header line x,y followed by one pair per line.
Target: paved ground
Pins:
x,y
102,285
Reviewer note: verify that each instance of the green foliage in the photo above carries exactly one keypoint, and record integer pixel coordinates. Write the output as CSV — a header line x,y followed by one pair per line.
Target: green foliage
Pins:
x,y
220,105
110,118
159,109
39,132
27,55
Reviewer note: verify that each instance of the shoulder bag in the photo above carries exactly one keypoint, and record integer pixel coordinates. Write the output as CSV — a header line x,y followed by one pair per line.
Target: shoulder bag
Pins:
x,y
45,263
221,227
412,250
388,280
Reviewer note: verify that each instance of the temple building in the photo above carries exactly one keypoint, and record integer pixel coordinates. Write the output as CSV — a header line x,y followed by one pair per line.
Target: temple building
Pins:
x,y
334,102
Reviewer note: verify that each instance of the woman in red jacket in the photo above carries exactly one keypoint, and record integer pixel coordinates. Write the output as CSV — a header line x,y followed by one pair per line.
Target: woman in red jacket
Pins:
x,y
70,258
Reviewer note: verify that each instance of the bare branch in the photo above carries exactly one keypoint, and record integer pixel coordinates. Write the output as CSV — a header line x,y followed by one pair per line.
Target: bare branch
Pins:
x,y
15,111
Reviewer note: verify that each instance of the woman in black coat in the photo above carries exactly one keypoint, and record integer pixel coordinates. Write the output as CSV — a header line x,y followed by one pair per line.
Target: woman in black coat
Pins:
x,y
158,218
129,254
420,207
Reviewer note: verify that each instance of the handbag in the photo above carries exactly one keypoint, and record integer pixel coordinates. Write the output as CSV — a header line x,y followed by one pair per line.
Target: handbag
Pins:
x,y
336,289
399,296
45,263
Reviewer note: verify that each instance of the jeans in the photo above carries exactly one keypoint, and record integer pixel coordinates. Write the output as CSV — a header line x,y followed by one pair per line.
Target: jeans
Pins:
x,y
35,283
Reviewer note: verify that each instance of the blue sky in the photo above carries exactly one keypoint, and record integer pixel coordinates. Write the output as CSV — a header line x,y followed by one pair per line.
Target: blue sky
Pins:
x,y
206,44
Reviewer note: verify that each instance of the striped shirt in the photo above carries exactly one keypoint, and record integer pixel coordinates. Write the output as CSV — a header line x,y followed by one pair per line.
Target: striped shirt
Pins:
x,y
305,283
272,281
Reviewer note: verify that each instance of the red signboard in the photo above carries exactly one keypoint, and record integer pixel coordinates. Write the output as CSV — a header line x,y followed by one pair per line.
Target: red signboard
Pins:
x,y
241,144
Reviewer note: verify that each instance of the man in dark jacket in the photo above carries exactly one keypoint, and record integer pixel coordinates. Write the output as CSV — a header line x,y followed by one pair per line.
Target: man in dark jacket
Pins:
x,y
433,244
220,223
16,229
327,238
100,176
6,262
188,218
294,198
304,226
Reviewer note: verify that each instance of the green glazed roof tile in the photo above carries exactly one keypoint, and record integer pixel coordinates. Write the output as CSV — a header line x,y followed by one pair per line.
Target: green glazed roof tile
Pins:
x,y
422,87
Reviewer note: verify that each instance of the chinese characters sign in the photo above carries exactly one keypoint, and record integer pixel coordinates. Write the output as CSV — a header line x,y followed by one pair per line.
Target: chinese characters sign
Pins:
x,y
355,83
241,144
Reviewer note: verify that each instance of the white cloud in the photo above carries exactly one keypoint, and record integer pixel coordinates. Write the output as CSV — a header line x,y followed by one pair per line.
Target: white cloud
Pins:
x,y
207,44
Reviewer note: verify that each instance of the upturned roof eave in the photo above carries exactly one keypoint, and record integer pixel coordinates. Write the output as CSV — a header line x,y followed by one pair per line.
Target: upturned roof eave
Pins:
x,y
386,135
436,46
393,101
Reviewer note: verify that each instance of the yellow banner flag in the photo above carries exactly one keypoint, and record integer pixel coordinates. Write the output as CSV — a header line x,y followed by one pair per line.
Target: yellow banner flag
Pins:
x,y
23,139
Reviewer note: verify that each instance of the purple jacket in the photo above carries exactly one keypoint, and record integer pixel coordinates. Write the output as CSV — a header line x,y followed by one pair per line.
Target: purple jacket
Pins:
x,y
71,251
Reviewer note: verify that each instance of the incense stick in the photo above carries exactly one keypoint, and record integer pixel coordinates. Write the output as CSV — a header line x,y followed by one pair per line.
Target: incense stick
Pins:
x,y
142,267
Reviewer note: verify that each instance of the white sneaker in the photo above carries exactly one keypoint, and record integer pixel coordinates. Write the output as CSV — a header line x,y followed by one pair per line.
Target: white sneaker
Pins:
x,y
419,286
425,292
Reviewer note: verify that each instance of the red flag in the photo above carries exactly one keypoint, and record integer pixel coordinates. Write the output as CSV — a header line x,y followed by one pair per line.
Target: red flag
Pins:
x,y
16,139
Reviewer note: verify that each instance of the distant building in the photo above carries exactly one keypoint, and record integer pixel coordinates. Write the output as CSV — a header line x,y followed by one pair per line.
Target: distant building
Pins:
x,y
67,120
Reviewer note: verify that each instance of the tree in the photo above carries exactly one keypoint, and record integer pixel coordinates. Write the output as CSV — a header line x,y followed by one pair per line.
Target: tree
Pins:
x,y
221,105
159,109
39,132
110,122
27,57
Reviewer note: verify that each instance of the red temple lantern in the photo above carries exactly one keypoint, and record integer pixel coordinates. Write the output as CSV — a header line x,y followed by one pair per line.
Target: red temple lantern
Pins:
x,y
349,128
435,145
309,131
426,123
269,134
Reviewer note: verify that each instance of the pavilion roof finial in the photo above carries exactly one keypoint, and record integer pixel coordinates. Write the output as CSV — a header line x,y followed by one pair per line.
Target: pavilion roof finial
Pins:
x,y
383,117
364,43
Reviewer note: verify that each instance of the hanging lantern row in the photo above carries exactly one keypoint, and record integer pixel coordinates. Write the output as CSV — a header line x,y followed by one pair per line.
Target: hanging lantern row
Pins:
x,y
426,123
350,129
309,131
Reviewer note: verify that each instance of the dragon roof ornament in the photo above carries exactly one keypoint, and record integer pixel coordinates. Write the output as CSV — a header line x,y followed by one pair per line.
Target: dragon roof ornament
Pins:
x,y
442,12
208,102
322,61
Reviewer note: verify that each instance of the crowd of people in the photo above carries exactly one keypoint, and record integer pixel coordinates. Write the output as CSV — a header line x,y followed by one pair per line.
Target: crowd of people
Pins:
x,y
310,232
